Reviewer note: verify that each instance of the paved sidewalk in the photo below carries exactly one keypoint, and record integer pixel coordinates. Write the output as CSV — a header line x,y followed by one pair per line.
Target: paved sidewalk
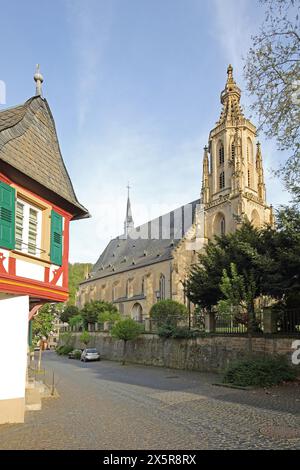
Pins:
x,y
104,405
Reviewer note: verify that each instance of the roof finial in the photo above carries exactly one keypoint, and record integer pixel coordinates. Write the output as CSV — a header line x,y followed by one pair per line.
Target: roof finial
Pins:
x,y
38,78
230,71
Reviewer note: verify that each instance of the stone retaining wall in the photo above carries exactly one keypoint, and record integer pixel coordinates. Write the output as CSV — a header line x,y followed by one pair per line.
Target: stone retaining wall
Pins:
x,y
211,353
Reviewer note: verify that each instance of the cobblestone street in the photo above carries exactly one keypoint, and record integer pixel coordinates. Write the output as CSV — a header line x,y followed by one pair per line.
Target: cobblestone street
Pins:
x,y
103,405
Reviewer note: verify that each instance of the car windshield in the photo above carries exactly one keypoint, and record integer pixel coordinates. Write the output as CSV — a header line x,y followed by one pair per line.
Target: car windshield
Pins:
x,y
91,350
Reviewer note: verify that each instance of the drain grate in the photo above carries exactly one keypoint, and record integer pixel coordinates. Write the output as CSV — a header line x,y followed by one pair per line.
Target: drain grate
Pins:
x,y
281,432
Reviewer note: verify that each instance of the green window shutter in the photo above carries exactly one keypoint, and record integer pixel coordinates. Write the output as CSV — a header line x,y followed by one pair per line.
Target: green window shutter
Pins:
x,y
7,216
56,245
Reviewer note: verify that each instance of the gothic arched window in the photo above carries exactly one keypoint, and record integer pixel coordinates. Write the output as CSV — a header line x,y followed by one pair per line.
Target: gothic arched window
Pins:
x,y
114,292
249,150
143,285
232,151
162,287
222,180
222,226
221,154
127,287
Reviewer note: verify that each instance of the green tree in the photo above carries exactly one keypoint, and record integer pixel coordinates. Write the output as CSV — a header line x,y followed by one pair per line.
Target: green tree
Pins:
x,y
240,295
85,337
126,330
272,72
111,316
245,248
266,260
68,312
77,273
77,320
282,277
43,322
168,313
97,310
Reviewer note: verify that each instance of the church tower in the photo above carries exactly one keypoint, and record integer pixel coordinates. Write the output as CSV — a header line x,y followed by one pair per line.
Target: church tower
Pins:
x,y
233,188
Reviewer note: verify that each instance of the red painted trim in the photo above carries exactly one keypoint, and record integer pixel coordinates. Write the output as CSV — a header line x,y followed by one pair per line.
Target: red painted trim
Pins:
x,y
2,268
46,275
34,311
12,266
4,179
66,254
33,282
47,296
57,274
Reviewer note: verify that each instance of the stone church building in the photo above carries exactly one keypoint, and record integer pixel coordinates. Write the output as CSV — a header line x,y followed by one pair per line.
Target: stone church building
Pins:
x,y
151,262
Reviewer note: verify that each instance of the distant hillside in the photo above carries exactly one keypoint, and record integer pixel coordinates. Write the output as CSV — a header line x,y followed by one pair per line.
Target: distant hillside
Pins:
x,y
77,273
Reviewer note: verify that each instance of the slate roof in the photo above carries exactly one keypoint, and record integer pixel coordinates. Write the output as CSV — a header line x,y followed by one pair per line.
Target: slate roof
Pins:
x,y
157,240
29,143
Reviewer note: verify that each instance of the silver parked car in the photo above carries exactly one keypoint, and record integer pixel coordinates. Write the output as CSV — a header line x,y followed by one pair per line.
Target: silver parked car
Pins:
x,y
90,354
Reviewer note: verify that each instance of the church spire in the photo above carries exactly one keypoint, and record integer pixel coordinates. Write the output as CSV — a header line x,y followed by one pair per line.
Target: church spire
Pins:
x,y
230,99
261,188
205,178
128,223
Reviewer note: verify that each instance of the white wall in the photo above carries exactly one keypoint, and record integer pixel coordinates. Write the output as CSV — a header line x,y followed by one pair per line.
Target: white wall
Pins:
x,y
30,270
14,312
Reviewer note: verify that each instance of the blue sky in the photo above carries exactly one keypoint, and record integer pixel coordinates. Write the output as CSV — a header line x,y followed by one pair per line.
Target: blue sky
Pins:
x,y
134,88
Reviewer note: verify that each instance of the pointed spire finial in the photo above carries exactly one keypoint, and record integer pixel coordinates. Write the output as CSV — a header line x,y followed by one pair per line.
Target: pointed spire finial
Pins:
x,y
128,224
230,71
38,78
230,99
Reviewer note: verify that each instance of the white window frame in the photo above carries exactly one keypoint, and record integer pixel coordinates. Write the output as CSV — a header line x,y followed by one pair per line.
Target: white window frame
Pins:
x,y
25,234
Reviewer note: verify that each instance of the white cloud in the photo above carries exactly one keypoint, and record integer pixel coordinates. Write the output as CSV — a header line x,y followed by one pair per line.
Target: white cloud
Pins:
x,y
233,29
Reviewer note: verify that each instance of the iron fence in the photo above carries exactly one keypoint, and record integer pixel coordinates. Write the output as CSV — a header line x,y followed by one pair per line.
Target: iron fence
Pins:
x,y
284,322
288,322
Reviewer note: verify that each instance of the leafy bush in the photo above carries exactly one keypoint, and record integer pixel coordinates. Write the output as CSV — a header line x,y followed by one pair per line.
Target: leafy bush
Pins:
x,y
260,371
169,331
85,338
64,350
69,312
76,320
77,354
127,329
92,311
168,313
111,316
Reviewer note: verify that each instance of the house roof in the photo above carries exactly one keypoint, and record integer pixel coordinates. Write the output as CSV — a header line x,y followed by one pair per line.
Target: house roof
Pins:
x,y
147,244
29,144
